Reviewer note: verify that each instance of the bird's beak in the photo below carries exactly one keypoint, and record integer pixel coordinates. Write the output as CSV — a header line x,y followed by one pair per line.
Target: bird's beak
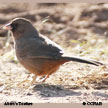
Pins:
x,y
7,26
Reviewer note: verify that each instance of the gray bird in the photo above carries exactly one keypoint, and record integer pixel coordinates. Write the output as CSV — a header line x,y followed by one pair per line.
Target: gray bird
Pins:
x,y
37,53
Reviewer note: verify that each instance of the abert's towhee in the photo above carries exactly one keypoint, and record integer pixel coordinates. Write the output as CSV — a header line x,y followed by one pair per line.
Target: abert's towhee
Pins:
x,y
37,53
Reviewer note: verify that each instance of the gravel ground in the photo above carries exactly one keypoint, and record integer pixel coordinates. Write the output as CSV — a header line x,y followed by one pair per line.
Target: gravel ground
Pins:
x,y
81,29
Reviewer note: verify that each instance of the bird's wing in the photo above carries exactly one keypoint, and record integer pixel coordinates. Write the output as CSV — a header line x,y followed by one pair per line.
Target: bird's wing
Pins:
x,y
45,48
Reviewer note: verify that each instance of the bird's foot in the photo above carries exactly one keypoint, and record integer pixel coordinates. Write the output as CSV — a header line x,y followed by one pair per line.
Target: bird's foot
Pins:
x,y
24,83
43,79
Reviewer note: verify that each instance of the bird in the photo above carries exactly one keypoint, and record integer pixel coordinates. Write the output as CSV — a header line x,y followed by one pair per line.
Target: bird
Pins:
x,y
36,52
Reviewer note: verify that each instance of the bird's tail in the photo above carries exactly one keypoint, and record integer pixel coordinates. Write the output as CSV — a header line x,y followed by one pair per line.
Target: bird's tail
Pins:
x,y
81,60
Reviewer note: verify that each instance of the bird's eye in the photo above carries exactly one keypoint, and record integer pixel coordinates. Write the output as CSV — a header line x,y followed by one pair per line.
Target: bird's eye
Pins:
x,y
14,26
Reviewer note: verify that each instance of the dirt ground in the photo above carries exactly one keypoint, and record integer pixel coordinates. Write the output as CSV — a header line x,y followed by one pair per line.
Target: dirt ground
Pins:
x,y
81,29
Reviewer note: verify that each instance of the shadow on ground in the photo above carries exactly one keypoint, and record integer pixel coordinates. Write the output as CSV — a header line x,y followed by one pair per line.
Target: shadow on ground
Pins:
x,y
46,90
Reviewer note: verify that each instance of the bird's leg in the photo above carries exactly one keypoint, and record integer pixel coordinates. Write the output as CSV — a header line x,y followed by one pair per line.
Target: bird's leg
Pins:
x,y
26,80
33,79
47,76
44,79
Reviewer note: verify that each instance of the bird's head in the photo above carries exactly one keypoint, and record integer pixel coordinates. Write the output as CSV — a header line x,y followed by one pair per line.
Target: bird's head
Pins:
x,y
19,27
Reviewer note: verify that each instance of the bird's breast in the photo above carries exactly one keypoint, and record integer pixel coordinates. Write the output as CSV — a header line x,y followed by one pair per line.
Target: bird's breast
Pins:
x,y
21,51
